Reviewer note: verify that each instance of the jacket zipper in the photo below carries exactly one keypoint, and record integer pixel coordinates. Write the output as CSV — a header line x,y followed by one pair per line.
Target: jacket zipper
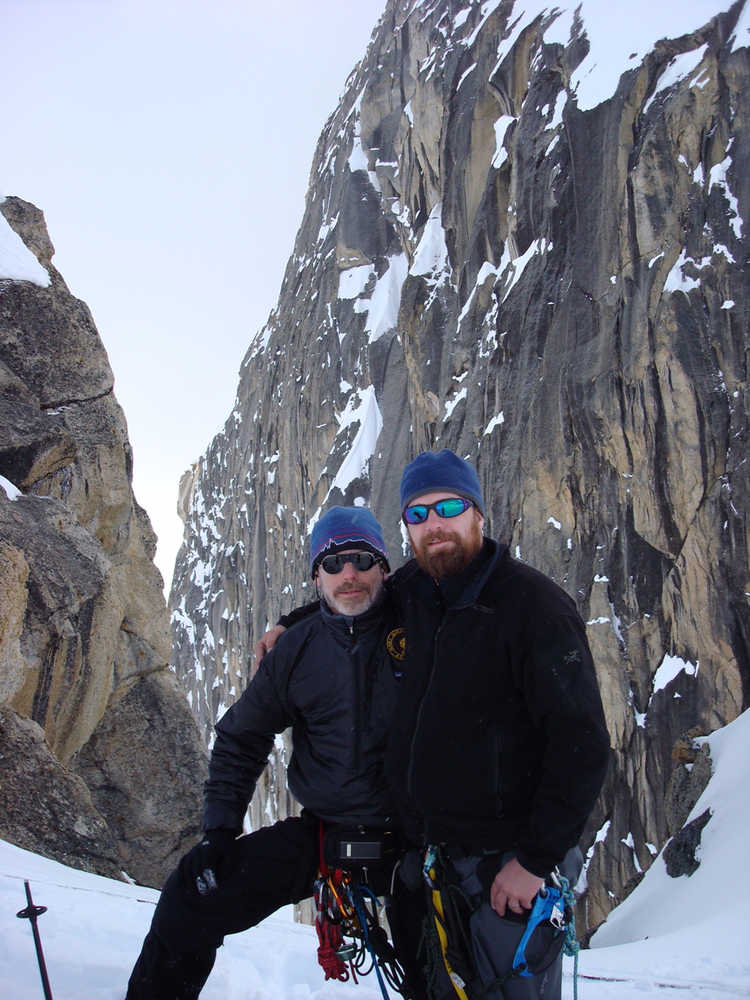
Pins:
x,y
357,658
428,685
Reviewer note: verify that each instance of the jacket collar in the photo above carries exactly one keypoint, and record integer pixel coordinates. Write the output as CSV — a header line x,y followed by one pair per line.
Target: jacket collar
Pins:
x,y
463,589
349,623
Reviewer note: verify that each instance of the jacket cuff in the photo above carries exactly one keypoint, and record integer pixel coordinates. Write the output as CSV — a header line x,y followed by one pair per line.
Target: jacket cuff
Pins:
x,y
217,816
536,864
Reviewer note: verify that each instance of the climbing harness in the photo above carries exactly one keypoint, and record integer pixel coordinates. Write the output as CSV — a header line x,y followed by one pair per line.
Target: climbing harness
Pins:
x,y
448,935
346,921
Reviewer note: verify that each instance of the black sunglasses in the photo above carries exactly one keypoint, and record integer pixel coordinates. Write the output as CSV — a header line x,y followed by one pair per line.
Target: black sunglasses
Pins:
x,y
450,507
361,561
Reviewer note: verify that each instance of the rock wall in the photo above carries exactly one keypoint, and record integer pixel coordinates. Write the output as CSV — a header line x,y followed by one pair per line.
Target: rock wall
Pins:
x,y
84,629
558,292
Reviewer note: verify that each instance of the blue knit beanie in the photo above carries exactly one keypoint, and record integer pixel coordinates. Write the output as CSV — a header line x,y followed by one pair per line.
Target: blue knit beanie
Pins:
x,y
433,472
346,528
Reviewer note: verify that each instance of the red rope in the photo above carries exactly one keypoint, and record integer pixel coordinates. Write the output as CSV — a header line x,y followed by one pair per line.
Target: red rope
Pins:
x,y
330,934
330,940
330,937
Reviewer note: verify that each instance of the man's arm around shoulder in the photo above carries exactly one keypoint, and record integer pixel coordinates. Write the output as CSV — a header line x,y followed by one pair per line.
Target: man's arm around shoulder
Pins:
x,y
244,737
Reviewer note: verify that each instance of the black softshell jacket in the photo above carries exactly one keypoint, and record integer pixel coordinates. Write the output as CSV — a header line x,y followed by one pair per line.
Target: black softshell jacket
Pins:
x,y
331,679
498,740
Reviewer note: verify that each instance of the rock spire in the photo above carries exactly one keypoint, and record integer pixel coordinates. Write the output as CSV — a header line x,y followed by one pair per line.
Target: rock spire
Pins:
x,y
101,763
553,282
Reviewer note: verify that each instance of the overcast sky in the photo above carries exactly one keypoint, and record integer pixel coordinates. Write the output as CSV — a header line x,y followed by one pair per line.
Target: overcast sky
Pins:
x,y
168,143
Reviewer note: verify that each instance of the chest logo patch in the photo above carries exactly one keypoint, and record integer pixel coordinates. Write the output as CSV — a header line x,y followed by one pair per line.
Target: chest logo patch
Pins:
x,y
395,643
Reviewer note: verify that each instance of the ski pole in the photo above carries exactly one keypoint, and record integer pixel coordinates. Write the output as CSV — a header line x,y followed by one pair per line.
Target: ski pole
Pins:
x,y
32,913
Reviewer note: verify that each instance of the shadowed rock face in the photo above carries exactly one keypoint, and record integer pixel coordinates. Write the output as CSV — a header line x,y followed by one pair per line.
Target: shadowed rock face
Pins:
x,y
84,632
560,295
46,808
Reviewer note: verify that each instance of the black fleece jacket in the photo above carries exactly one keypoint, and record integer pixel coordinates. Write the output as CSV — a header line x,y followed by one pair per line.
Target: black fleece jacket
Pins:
x,y
498,740
331,679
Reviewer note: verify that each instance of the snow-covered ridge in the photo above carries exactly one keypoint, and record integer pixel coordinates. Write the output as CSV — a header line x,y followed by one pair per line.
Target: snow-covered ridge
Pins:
x,y
17,262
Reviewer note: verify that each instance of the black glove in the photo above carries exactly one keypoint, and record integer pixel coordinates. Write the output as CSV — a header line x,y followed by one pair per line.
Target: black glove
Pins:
x,y
202,866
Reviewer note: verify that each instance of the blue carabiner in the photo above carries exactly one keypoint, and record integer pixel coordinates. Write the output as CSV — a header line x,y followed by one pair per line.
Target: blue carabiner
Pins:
x,y
547,907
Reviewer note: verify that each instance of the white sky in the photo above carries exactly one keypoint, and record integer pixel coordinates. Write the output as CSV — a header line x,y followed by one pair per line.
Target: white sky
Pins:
x,y
169,143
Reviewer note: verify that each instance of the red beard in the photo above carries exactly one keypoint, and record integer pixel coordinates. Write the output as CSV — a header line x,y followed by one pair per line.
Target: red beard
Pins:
x,y
452,558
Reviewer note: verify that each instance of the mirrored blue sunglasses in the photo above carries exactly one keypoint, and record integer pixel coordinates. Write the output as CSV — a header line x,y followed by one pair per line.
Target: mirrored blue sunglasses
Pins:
x,y
450,507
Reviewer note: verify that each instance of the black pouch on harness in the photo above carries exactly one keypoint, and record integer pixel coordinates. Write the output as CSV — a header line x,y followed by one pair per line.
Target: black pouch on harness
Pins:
x,y
358,847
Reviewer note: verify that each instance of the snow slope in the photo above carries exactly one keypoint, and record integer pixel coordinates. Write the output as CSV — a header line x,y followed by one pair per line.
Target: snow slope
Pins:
x,y
676,938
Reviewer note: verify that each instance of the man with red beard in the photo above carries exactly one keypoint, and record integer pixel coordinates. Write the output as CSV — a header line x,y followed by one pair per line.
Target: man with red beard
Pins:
x,y
497,748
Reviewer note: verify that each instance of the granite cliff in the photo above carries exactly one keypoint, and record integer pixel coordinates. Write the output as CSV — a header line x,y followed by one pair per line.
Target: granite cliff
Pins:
x,y
101,762
554,285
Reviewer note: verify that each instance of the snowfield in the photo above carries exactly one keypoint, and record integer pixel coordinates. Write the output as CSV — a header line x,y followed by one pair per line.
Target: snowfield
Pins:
x,y
681,939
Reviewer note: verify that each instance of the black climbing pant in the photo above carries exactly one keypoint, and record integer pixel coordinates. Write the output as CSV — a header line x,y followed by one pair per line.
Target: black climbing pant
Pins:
x,y
261,872
265,870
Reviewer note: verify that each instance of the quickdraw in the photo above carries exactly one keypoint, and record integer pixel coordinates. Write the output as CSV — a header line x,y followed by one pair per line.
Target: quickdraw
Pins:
x,y
333,919
347,909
